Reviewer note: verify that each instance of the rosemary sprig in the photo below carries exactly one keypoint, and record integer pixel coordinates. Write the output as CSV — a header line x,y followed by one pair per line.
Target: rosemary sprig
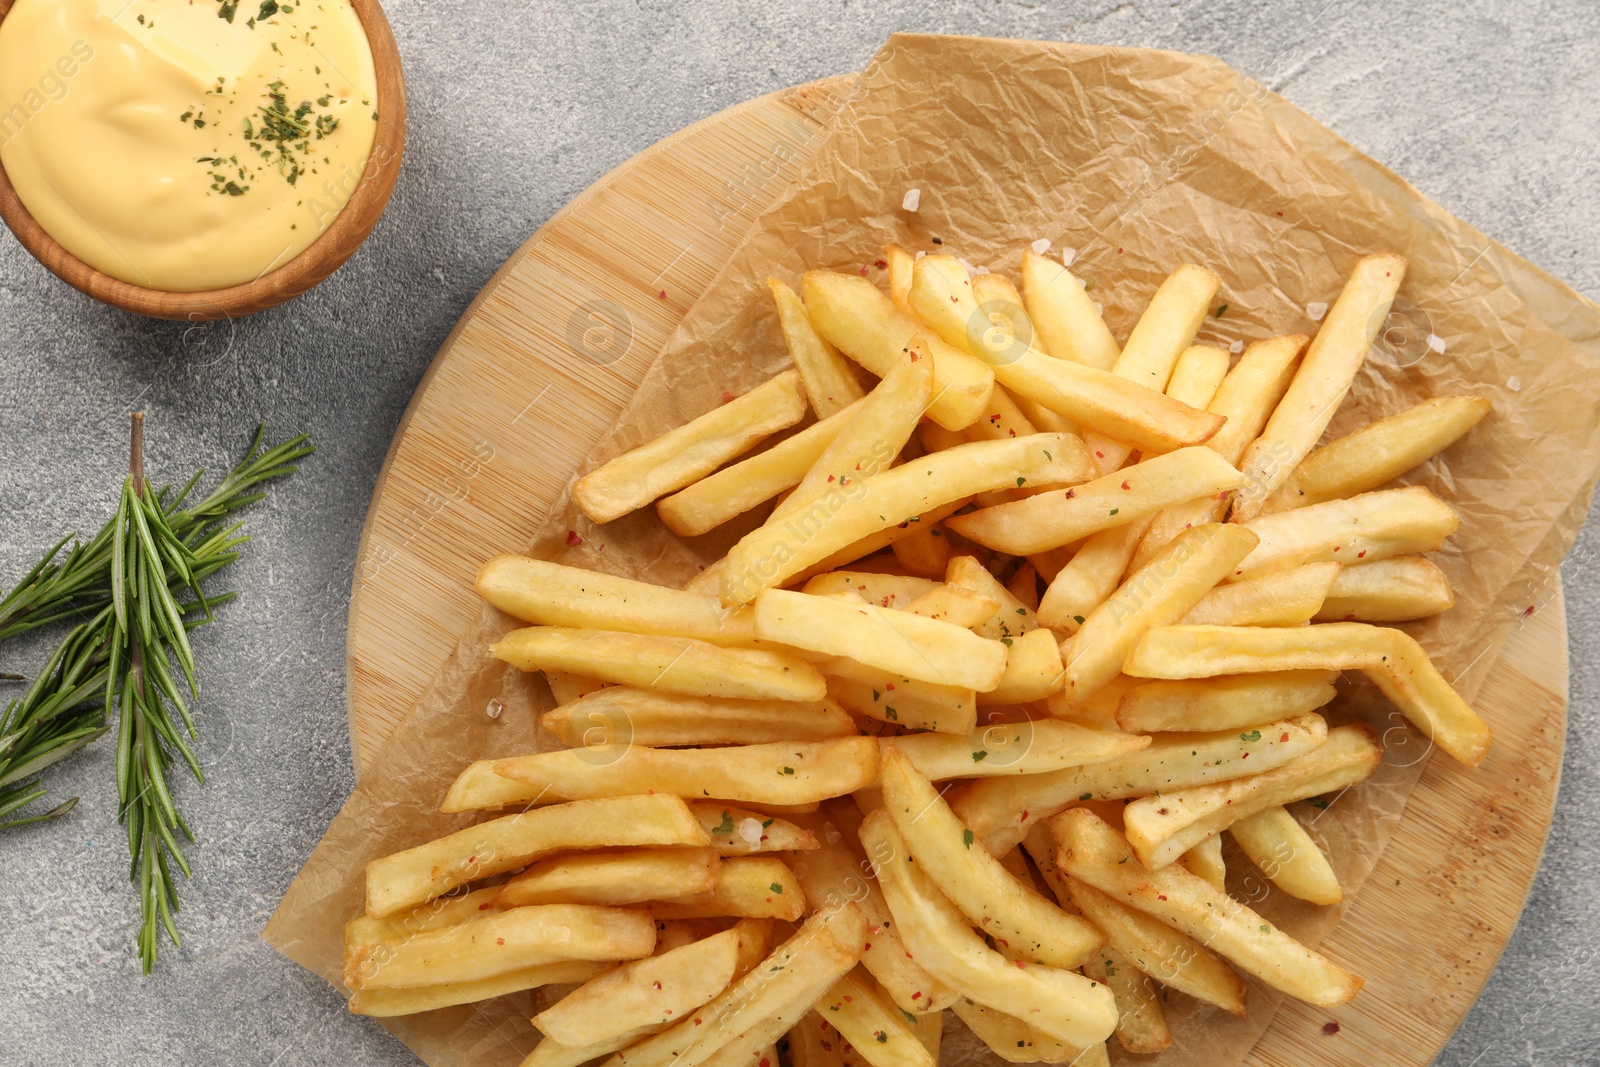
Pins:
x,y
136,589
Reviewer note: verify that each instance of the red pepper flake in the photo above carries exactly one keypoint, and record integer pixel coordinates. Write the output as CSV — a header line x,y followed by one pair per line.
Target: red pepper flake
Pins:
x,y
1244,756
953,299
669,1011
830,477
486,905
1349,616
499,940
917,995
697,1022
1329,1029
1285,737
889,686
573,538
880,264
864,948
1071,493
1024,816
1099,454
1527,611
1337,547
655,985
1161,896
726,396
1125,484
1119,251
662,295
1020,965
863,272
915,357
764,1061
847,998
1360,554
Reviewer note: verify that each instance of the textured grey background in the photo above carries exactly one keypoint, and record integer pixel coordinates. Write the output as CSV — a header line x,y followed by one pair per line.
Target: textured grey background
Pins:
x,y
1490,112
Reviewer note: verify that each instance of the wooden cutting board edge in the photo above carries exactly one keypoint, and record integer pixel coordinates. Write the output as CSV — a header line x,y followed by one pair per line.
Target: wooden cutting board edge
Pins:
x,y
1427,928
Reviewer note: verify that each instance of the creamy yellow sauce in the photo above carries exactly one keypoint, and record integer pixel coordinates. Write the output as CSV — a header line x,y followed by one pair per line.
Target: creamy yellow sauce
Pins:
x,y
171,148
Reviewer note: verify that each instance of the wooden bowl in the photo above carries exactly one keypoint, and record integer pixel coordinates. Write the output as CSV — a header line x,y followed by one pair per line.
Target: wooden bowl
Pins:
x,y
320,259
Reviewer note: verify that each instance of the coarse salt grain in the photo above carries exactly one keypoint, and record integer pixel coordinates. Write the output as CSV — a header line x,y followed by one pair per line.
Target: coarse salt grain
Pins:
x,y
1068,255
750,831
921,252
1514,384
1041,246
1316,310
1236,347
1436,343
912,201
983,270
1099,308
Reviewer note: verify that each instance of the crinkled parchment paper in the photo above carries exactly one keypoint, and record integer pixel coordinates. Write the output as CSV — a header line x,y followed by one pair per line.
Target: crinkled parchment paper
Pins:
x,y
1139,161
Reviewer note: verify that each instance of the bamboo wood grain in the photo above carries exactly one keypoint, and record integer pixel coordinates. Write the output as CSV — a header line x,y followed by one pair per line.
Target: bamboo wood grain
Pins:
x,y
528,382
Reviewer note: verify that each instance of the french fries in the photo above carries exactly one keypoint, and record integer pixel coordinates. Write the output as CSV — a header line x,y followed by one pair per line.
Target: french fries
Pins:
x,y
1002,810
1024,924
1060,1003
1388,590
630,876
390,1003
1012,620
739,831
1163,828
1391,658
1167,326
1277,598
872,1024
625,714
786,773
885,590
676,664
912,704
1380,451
647,992
773,554
685,455
1012,748
1331,363
830,382
1279,846
1049,520
417,875
1094,853
1091,576
897,642
1033,670
1369,527
1012,1039
1166,588
1205,859
759,887
865,325
1223,703
1141,1024
1069,325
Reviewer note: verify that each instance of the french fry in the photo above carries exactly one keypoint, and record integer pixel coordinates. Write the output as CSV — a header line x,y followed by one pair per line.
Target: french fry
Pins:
x,y
1276,598
1002,305
1380,451
507,941
1161,592
858,553
1064,1005
1245,398
1094,853
1369,527
1013,748
405,879
955,604
676,664
739,831
773,554
788,773
549,1053
1205,859
837,873
1100,400
566,686
1141,1024
873,437
1033,670
1098,711
1001,810
1224,703
1330,365
1010,1038
1281,849
1041,522
1024,585
735,489
925,550
865,325
553,595
1014,617
629,876
806,965
830,382
647,992
365,931
676,933
872,1024
1091,576
900,264
1069,325
896,642
812,1042
389,1003
1027,926
1198,375
1167,326
623,714
1162,828
1001,419
885,590
1391,658
1397,589
760,887
683,456
912,704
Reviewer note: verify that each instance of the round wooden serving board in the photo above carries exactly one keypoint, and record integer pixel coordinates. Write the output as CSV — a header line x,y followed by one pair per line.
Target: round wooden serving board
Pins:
x,y
540,367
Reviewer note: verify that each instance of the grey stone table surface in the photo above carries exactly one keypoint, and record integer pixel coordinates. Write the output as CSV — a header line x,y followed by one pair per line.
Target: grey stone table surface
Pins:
x,y
1488,108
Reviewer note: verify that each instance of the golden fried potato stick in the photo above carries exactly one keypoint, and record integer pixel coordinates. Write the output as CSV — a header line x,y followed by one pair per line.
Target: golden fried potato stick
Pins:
x,y
1205,859
737,831
900,264
1013,748
1373,526
624,876
1012,1039
757,887
1319,387
1391,658
1094,853
1281,849
1141,1024
912,704
875,1028
652,718
1033,670
1380,451
1163,828
1223,703
1397,589
389,1003
830,382
1069,325
1276,598
683,456
1167,326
